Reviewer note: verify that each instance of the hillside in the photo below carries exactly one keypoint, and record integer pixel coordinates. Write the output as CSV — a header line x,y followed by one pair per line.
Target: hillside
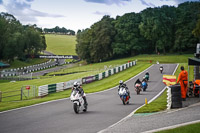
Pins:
x,y
61,44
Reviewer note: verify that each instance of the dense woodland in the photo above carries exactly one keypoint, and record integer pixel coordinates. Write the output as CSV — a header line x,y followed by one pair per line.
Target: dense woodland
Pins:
x,y
158,30
17,40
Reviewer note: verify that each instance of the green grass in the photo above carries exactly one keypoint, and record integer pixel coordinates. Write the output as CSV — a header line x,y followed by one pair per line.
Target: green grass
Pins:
x,y
192,128
157,105
4,81
88,88
90,69
61,44
165,58
29,62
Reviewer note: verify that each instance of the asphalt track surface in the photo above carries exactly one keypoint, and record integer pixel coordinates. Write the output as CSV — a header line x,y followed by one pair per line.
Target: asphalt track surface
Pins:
x,y
149,123
105,109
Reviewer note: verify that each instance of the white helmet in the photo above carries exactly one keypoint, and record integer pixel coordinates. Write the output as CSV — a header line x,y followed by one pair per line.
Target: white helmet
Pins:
x,y
75,84
121,82
78,84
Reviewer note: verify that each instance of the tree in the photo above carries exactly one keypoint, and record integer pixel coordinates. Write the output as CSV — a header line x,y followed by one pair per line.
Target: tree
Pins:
x,y
196,31
128,40
83,43
18,40
103,33
95,44
187,16
34,43
158,27
59,30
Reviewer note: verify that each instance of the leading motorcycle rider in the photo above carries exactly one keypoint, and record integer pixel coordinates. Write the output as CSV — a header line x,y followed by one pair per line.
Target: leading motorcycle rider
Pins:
x,y
79,88
122,84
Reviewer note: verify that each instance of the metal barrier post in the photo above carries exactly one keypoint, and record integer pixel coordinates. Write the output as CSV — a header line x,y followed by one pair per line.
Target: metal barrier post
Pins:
x,y
21,93
0,96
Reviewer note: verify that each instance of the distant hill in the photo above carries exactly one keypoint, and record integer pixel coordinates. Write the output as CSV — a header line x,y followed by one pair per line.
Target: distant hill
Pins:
x,y
61,44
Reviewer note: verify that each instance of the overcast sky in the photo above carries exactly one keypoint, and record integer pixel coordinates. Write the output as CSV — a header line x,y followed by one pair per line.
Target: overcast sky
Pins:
x,y
75,14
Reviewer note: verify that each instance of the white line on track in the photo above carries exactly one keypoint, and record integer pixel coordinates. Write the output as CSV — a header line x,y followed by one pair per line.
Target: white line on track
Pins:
x,y
68,97
132,113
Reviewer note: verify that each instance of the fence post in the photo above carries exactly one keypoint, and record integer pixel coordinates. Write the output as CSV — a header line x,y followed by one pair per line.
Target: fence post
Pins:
x,y
21,93
0,96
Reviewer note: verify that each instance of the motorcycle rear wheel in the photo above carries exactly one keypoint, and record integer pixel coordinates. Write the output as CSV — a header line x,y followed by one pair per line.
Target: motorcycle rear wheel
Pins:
x,y
138,92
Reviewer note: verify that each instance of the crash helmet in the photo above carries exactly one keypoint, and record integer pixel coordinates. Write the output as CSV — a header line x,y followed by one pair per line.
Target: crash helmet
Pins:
x,y
121,82
78,84
182,68
75,84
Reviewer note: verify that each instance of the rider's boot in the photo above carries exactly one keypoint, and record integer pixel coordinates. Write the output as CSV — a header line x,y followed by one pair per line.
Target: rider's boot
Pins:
x,y
129,95
85,101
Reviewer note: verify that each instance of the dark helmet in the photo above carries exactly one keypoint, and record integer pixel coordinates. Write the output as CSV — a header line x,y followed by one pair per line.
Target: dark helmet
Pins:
x,y
182,68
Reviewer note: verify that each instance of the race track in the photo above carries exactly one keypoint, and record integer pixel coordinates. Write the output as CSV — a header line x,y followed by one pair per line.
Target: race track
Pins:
x,y
105,108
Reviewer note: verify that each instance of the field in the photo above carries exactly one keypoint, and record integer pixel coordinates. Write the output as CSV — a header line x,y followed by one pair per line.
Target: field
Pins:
x,y
61,44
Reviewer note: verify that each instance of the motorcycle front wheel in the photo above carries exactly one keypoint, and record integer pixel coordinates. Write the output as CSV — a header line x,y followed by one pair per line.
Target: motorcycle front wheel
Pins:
x,y
124,101
76,108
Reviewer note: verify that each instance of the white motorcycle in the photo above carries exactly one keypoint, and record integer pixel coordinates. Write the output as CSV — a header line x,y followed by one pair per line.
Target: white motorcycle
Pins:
x,y
161,69
78,102
124,95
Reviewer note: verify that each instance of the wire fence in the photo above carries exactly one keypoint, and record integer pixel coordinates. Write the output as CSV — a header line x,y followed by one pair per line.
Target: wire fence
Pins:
x,y
26,92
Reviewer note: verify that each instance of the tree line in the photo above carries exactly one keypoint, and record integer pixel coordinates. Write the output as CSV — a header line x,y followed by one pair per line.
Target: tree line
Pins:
x,y
17,40
59,30
165,29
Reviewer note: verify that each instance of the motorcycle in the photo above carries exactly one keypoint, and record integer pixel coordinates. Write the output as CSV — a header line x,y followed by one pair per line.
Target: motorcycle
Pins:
x,y
78,102
144,85
138,88
161,69
124,95
146,77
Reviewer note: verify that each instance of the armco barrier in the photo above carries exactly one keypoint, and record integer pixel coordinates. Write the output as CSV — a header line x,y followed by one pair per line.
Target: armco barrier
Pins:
x,y
52,88
87,80
28,69
46,89
43,90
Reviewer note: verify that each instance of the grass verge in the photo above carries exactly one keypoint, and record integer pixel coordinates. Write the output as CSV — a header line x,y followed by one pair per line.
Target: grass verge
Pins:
x,y
192,128
88,88
157,105
29,62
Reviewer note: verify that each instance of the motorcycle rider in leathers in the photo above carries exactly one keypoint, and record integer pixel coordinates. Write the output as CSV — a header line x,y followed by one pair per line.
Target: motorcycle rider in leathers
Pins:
x,y
79,88
122,84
